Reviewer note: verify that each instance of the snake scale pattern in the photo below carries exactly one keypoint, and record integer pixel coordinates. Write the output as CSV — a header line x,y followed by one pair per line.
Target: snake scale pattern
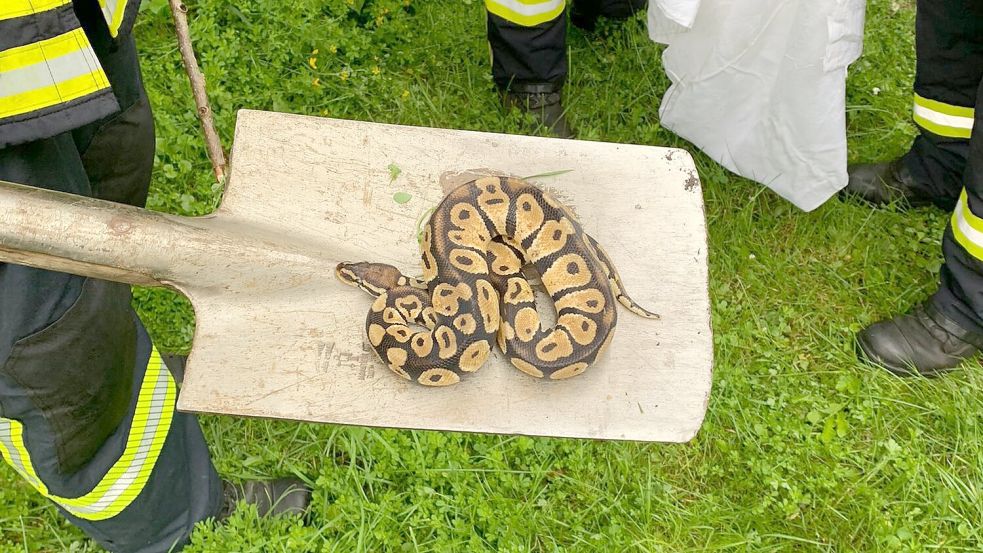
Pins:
x,y
474,293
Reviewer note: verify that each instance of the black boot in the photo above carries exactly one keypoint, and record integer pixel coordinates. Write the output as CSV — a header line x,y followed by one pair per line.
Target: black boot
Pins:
x,y
284,496
622,9
584,13
543,101
885,183
922,342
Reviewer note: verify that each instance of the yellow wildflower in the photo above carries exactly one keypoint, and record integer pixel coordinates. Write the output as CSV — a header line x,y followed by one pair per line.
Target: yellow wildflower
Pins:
x,y
316,83
344,74
406,93
376,70
312,61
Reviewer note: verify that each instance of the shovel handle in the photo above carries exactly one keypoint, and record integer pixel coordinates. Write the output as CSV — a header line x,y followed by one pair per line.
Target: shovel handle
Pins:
x,y
85,236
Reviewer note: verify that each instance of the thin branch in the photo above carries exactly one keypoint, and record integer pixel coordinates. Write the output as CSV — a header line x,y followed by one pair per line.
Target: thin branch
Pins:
x,y
212,141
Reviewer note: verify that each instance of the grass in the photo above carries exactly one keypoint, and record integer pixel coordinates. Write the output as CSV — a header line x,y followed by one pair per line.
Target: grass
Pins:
x,y
803,449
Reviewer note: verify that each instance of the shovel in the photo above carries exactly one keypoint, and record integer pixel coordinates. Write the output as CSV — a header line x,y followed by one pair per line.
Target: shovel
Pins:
x,y
277,336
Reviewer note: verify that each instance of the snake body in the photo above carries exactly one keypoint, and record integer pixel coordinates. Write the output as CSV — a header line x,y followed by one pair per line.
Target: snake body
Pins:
x,y
473,293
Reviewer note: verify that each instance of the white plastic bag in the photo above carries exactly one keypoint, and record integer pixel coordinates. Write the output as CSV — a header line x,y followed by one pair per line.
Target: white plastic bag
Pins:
x,y
759,85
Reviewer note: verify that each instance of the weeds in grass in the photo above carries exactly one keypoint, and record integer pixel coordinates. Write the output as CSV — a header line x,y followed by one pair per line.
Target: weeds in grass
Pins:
x,y
803,449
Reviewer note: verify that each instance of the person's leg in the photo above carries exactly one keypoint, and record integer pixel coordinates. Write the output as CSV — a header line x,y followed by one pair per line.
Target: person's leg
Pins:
x,y
529,56
949,66
960,295
948,328
622,9
584,13
88,412
117,155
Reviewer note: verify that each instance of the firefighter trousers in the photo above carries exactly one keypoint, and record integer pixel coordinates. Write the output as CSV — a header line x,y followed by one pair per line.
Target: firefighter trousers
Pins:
x,y
947,155
528,38
87,412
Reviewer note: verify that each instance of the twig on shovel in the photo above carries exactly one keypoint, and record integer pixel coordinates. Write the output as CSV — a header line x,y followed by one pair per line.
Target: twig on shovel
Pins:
x,y
212,141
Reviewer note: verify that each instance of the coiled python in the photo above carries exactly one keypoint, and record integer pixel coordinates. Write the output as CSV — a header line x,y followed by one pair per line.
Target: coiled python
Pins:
x,y
473,293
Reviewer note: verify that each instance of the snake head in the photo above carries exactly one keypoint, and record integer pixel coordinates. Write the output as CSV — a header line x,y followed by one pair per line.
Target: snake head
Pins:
x,y
374,278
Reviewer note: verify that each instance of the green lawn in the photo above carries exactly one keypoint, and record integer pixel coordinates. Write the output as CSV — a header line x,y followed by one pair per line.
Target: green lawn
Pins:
x,y
802,448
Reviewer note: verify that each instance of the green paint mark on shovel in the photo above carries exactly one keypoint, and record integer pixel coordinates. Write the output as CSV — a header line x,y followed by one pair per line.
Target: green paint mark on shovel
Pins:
x,y
402,197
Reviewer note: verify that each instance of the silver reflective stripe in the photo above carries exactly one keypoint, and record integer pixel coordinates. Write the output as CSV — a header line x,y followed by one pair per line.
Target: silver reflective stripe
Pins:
x,y
127,477
113,10
11,452
967,230
52,71
143,452
940,118
109,10
529,9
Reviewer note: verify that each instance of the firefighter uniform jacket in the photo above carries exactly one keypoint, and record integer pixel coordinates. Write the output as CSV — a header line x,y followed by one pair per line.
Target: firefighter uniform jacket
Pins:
x,y
50,78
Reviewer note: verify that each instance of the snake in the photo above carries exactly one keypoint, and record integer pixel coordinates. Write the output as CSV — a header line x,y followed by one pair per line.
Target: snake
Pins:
x,y
477,249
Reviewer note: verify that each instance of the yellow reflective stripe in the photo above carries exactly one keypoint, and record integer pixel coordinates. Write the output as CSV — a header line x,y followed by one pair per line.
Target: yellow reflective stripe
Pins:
x,y
526,12
129,474
58,93
60,84
943,119
940,129
148,431
942,107
14,452
10,9
113,11
976,223
967,228
38,52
